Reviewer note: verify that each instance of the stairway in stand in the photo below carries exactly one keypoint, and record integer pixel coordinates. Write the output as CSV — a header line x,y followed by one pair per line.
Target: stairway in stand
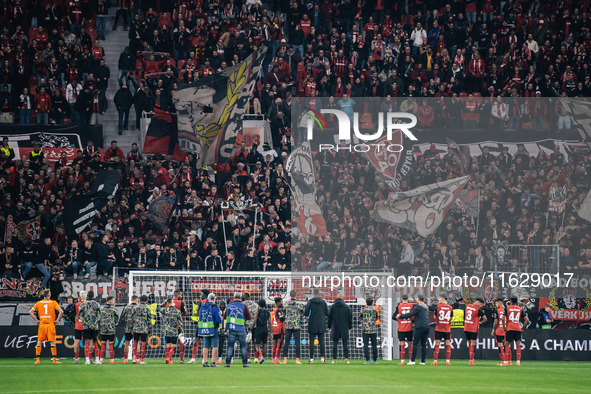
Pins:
x,y
115,43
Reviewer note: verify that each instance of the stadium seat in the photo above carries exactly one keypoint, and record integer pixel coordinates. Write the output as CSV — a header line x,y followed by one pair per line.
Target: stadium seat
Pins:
x,y
365,118
89,24
32,33
92,33
477,97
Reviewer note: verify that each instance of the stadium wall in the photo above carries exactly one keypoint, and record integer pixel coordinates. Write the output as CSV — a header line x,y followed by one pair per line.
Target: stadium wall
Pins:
x,y
546,345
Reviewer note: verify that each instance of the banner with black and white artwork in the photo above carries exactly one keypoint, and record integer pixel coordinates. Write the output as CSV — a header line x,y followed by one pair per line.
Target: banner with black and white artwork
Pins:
x,y
79,211
300,167
531,144
53,139
209,111
240,205
580,115
557,201
422,209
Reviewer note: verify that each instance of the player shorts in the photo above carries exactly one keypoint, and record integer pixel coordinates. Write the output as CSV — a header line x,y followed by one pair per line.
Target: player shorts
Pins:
x,y
78,334
171,340
405,336
46,332
260,336
140,337
277,336
511,336
89,335
442,336
500,338
211,342
471,336
128,336
108,337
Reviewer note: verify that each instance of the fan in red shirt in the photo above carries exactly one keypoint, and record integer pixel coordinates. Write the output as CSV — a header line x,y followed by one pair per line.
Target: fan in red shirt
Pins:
x,y
513,318
444,314
278,327
498,330
472,322
404,327
180,305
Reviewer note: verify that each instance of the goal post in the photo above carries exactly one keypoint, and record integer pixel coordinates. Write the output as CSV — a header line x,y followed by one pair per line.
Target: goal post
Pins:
x,y
160,285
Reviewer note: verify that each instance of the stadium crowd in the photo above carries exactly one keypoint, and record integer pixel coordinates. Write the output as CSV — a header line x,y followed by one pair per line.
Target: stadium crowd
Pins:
x,y
365,48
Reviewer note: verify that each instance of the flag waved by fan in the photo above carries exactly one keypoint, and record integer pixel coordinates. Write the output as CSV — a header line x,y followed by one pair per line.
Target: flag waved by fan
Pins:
x,y
422,209
210,110
162,136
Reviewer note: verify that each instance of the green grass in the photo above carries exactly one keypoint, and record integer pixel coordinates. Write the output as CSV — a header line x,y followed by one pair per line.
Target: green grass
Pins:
x,y
21,376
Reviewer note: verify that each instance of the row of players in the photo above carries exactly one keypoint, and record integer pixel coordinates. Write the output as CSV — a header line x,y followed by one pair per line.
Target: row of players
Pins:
x,y
92,320
507,326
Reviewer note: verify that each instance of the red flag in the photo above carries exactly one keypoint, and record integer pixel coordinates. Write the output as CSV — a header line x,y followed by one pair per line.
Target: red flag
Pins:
x,y
162,136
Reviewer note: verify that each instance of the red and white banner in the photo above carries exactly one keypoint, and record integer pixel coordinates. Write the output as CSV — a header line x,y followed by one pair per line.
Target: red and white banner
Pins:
x,y
53,140
420,210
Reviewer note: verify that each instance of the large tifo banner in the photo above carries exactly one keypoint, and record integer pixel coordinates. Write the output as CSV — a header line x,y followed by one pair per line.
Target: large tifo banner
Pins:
x,y
52,139
209,112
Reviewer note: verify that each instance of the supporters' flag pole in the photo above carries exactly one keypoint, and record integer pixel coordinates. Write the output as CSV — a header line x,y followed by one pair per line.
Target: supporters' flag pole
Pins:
x,y
478,218
188,253
563,216
224,227
256,212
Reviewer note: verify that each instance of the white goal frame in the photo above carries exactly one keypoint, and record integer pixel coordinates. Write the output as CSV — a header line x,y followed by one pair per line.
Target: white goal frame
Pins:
x,y
385,300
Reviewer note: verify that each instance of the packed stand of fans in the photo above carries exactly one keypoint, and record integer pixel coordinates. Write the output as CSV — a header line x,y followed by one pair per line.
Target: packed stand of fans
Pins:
x,y
53,69
514,196
317,49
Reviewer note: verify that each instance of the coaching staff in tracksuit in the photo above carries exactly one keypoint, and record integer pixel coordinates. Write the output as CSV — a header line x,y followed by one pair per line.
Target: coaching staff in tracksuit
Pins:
x,y
421,320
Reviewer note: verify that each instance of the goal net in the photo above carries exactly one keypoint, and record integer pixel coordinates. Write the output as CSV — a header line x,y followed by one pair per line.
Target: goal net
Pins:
x,y
160,285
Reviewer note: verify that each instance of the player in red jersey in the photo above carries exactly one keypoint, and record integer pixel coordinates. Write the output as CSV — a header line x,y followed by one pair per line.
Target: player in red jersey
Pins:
x,y
513,319
179,304
473,318
498,330
78,326
404,327
278,327
444,314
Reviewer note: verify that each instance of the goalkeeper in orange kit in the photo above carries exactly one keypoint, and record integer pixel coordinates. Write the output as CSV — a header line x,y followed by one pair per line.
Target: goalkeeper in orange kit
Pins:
x,y
46,309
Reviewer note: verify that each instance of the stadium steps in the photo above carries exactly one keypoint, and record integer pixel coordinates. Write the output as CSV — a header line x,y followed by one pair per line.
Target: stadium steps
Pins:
x,y
115,43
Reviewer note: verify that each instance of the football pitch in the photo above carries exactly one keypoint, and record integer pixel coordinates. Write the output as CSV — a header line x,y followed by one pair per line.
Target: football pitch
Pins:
x,y
21,376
